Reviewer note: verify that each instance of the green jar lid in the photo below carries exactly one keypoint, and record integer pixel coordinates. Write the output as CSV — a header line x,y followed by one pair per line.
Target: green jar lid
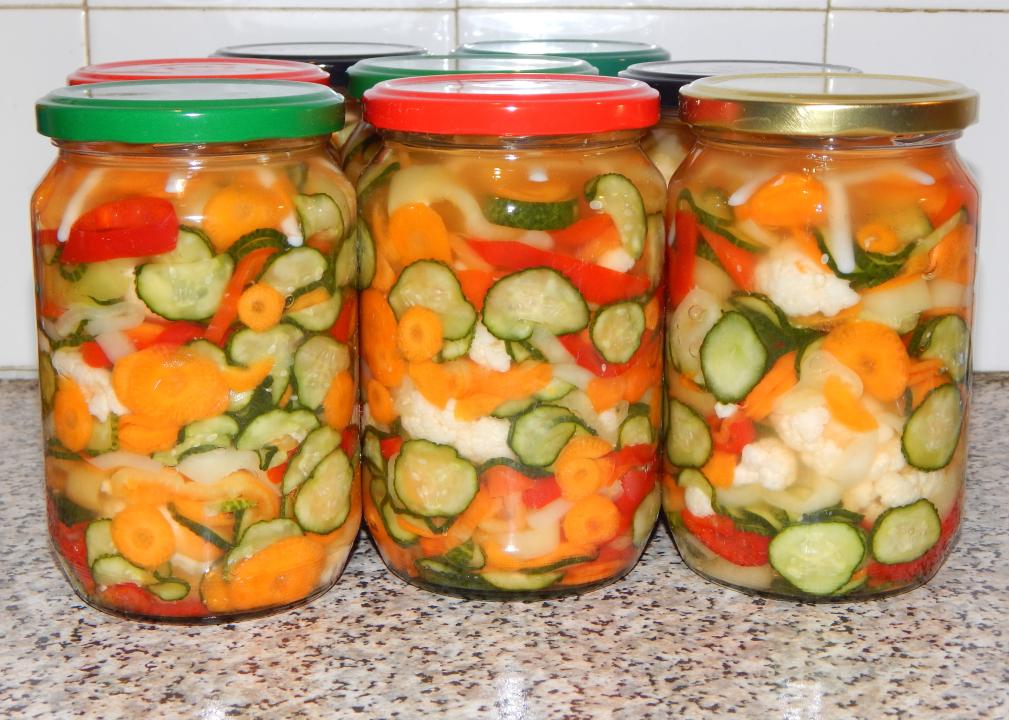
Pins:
x,y
368,73
609,56
189,111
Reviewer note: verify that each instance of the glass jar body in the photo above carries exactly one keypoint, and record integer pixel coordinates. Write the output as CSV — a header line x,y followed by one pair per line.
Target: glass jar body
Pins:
x,y
197,359
818,376
668,143
505,456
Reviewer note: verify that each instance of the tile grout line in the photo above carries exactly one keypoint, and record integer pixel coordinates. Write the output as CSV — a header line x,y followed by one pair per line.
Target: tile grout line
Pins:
x,y
826,31
87,32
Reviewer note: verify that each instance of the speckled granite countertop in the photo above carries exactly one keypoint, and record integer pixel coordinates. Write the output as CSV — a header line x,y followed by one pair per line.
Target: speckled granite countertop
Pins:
x,y
662,643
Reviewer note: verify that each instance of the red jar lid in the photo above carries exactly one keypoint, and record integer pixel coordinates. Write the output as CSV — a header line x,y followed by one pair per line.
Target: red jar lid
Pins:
x,y
511,105
199,69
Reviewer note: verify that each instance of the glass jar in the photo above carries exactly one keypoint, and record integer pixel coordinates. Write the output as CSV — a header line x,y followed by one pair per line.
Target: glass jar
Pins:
x,y
214,68
821,303
195,268
607,56
511,334
364,142
669,141
334,58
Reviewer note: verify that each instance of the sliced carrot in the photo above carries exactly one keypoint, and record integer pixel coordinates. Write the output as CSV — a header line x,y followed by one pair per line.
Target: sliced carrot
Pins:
x,y
781,378
145,434
476,406
71,416
592,447
419,335
417,232
877,238
593,520
673,496
720,468
143,536
644,375
788,199
433,381
481,507
921,369
279,574
605,392
397,557
502,481
238,209
653,312
475,284
953,258
594,571
846,408
309,299
338,404
378,341
144,334
260,307
215,592
501,560
176,384
876,354
241,379
380,403
807,244
580,477
924,385
416,528
246,271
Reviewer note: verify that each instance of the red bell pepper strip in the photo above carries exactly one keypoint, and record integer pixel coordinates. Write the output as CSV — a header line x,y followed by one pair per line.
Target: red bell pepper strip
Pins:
x,y
246,271
475,284
72,547
733,433
179,332
390,446
127,228
633,456
502,481
636,485
880,574
597,284
739,263
348,440
720,535
134,599
276,474
583,231
346,322
585,354
94,356
681,258
542,493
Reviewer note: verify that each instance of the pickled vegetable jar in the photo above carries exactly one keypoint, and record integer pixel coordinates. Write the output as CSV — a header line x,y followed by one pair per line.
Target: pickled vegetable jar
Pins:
x,y
668,142
195,268
821,298
361,147
199,69
334,58
607,56
512,247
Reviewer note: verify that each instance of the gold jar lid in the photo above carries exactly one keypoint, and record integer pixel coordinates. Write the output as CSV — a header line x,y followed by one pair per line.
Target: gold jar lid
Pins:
x,y
828,104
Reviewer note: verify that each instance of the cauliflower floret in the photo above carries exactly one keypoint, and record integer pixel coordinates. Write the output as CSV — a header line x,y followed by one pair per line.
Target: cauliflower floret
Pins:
x,y
617,259
725,411
800,287
95,383
769,463
803,432
698,502
893,489
489,351
477,440
608,422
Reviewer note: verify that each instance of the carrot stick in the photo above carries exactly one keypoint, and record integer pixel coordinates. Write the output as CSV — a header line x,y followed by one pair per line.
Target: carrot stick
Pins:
x,y
776,382
720,468
845,407
380,402
71,416
338,404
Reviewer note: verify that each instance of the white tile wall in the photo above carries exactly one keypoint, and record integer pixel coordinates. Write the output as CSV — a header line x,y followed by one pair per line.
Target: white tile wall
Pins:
x,y
958,39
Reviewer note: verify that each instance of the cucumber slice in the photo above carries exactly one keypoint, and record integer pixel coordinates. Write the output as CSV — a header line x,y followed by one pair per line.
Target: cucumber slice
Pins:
x,y
184,291
323,501
732,358
318,317
467,556
516,304
115,570
645,516
256,240
511,408
374,176
538,435
98,541
944,338
688,325
170,590
390,518
345,265
248,346
655,244
202,435
104,435
365,256
555,390
453,349
715,203
905,533
317,445
909,223
635,430
104,283
432,480
691,478
935,237
261,535
444,575
818,558
371,449
47,381
316,363
270,427
294,269
521,351
617,329
199,529
433,285
932,432
517,581
616,196
530,215
190,245
688,440
319,214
